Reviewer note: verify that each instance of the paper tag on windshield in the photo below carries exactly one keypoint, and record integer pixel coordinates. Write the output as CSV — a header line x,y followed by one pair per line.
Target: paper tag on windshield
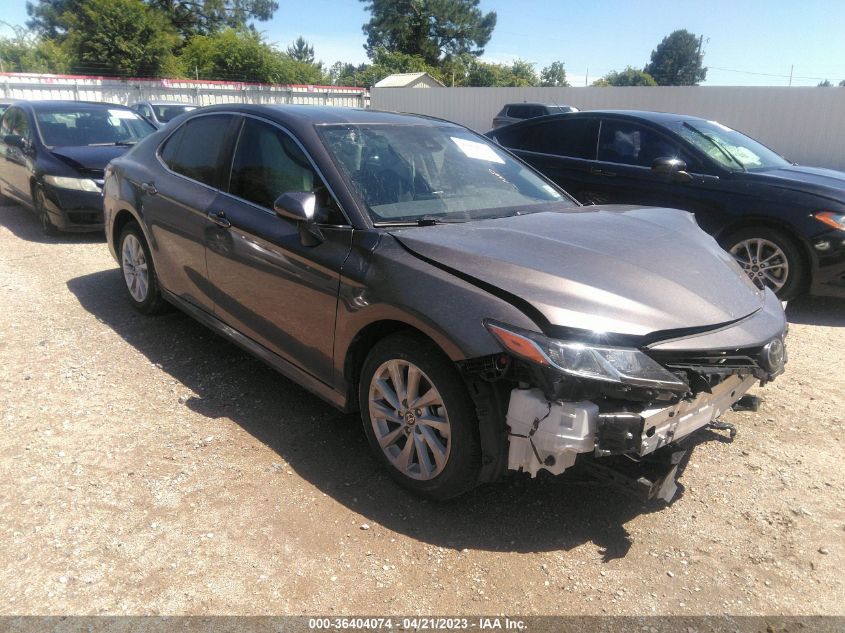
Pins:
x,y
479,151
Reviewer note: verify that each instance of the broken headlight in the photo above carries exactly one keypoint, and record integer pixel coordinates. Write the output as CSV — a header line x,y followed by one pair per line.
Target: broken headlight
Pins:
x,y
624,365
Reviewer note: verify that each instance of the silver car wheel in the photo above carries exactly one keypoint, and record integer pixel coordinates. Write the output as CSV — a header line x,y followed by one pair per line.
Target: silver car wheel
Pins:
x,y
409,419
135,271
763,261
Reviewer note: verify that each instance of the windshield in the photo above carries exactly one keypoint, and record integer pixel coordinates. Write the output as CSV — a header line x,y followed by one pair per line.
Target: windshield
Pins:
x,y
91,126
411,172
728,147
165,113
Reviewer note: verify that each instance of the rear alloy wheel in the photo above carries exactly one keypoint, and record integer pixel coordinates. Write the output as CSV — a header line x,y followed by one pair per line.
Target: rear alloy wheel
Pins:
x,y
47,226
139,274
418,417
769,258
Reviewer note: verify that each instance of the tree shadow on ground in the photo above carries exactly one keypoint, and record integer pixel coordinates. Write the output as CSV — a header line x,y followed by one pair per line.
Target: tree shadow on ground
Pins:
x,y
328,448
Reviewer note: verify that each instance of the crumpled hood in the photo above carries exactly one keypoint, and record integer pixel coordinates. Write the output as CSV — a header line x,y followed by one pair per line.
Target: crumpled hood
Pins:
x,y
616,269
86,158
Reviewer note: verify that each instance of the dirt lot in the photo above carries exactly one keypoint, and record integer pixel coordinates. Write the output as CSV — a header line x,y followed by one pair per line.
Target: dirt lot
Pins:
x,y
149,467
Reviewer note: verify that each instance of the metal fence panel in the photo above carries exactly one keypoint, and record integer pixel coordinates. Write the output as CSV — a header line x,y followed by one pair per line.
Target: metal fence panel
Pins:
x,y
126,91
807,125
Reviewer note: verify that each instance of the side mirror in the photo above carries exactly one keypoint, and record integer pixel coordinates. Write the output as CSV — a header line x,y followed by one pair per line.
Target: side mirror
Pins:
x,y
674,168
15,141
300,206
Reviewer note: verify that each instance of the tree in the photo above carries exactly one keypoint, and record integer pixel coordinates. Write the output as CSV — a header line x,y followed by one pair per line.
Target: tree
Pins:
x,y
431,29
189,17
242,55
519,74
301,51
24,52
824,84
628,77
120,37
554,75
677,60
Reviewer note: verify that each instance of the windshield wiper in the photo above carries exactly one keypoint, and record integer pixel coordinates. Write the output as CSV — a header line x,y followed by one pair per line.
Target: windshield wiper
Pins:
x,y
423,221
115,144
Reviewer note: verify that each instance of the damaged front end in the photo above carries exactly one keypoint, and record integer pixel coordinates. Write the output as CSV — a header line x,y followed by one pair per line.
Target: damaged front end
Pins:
x,y
618,411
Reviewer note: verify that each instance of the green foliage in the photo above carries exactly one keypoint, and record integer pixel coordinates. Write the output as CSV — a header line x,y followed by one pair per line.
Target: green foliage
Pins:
x,y
120,37
430,29
676,60
554,75
825,84
189,17
242,55
24,52
518,74
301,51
628,77
842,83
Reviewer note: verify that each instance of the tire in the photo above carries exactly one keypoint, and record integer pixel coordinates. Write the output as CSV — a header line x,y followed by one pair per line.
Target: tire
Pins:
x,y
47,227
787,270
139,275
453,428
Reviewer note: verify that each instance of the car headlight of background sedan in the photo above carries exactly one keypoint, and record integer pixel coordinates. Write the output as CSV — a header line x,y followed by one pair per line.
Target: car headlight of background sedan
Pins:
x,y
622,365
78,184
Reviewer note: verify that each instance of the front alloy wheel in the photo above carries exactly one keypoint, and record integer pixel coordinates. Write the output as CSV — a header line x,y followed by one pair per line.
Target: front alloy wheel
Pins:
x,y
409,419
47,227
419,418
770,258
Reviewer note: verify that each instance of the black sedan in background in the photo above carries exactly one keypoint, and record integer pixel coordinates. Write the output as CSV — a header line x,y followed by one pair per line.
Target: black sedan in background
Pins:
x,y
784,223
53,155
479,318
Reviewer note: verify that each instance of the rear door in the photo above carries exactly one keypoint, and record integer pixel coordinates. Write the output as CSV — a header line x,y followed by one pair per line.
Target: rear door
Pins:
x,y
563,149
177,200
266,283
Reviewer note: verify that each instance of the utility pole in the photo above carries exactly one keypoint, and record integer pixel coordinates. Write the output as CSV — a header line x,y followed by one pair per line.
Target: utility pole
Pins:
x,y
587,77
790,74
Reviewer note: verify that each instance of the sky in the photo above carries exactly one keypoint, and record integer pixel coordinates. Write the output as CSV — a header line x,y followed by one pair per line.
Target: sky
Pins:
x,y
746,42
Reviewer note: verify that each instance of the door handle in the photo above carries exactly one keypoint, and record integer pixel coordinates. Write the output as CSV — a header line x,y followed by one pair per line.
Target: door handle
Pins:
x,y
149,188
219,218
596,171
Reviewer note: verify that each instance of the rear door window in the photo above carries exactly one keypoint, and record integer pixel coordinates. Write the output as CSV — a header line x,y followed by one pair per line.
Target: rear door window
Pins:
x,y
576,138
519,111
196,148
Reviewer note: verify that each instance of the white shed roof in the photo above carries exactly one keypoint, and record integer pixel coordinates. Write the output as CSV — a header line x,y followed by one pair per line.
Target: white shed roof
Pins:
x,y
405,80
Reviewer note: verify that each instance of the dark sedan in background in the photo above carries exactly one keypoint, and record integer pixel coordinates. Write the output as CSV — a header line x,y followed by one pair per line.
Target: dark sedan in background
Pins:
x,y
53,155
160,113
479,318
784,223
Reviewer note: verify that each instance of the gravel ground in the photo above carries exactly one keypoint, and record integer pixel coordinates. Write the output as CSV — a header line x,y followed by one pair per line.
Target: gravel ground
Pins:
x,y
149,467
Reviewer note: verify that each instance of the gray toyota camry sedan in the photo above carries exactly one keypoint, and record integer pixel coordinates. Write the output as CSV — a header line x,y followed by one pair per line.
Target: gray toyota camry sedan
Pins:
x,y
476,315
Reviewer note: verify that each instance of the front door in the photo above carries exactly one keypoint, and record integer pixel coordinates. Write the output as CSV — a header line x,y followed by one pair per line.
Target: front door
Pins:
x,y
264,281
18,161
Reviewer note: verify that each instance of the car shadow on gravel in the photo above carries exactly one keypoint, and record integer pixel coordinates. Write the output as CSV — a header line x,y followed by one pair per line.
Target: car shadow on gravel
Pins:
x,y
24,225
328,448
828,311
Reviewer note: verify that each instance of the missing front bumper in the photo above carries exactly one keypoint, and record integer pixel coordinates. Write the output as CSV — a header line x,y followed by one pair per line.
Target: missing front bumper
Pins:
x,y
549,436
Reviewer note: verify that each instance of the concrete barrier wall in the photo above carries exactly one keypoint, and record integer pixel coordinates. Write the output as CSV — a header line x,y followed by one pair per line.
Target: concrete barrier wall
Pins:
x,y
807,125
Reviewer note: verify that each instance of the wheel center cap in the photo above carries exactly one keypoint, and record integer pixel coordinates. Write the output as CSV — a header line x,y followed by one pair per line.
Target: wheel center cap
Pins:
x,y
410,418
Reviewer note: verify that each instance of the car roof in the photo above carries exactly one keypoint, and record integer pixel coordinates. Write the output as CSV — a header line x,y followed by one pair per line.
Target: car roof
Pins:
x,y
297,115
537,103
80,105
167,103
